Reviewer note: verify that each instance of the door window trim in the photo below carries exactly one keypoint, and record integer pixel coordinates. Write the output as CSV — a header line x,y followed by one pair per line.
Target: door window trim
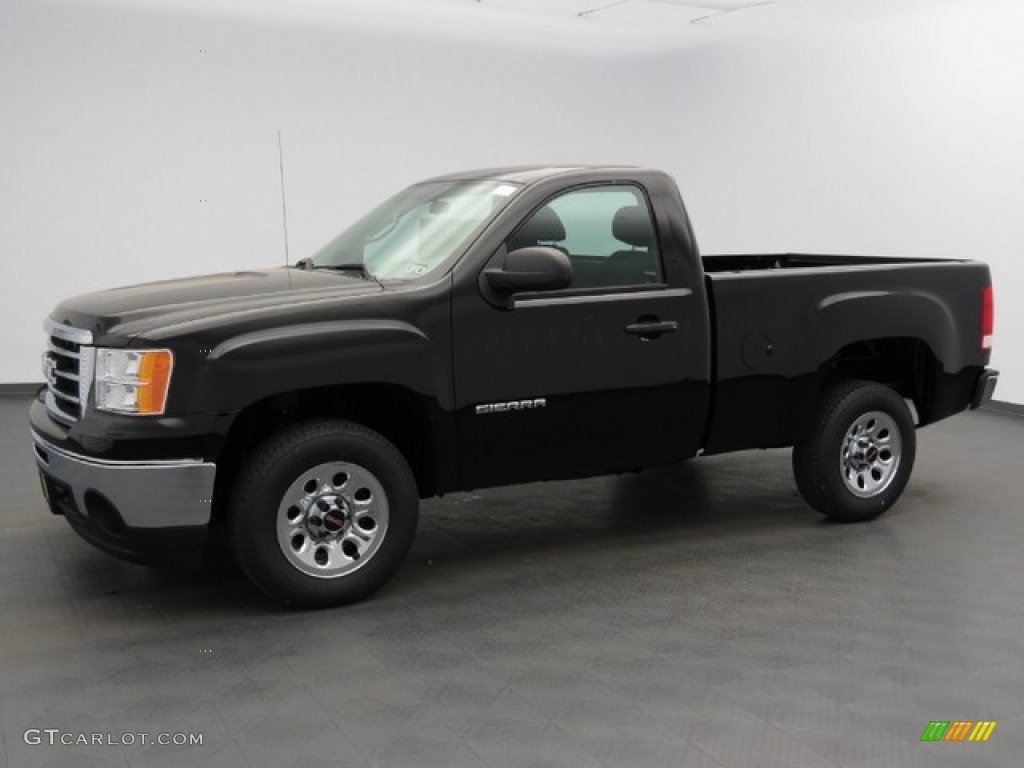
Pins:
x,y
627,293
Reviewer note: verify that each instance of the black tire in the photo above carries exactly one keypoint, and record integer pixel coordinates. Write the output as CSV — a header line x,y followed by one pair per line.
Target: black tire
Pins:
x,y
308,499
859,456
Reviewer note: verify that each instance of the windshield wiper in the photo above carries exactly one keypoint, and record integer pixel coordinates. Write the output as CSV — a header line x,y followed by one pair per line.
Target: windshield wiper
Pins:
x,y
352,266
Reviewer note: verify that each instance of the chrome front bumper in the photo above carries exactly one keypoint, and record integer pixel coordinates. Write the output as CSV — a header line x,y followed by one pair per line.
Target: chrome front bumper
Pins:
x,y
143,494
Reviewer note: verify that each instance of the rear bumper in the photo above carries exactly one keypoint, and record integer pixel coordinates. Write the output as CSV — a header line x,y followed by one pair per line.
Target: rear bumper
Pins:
x,y
984,388
138,510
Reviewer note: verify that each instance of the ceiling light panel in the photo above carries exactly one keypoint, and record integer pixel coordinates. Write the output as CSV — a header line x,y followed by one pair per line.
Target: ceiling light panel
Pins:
x,y
642,12
717,5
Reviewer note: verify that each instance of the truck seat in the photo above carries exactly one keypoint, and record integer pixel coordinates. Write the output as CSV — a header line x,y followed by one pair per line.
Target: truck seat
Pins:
x,y
639,264
543,228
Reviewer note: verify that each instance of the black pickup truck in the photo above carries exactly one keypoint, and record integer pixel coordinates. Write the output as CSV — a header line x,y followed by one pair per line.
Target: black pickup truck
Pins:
x,y
479,329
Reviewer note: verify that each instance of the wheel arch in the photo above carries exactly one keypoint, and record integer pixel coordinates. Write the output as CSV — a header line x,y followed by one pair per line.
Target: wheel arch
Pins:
x,y
906,364
397,413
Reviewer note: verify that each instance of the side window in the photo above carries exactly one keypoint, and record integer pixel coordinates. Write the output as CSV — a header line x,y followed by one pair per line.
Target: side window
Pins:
x,y
606,231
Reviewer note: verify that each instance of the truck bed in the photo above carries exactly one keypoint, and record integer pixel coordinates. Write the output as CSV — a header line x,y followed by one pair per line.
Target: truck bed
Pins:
x,y
783,324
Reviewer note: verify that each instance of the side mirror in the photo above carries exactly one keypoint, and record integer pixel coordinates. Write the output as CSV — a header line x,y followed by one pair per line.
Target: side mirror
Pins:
x,y
537,268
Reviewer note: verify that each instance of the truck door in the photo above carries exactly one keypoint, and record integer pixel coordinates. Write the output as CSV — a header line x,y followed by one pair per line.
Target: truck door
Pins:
x,y
607,375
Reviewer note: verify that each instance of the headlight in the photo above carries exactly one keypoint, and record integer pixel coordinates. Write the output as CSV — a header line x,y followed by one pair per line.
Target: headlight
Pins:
x,y
133,381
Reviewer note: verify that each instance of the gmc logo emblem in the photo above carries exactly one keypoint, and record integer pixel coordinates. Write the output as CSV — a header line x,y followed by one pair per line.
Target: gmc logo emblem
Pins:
x,y
50,370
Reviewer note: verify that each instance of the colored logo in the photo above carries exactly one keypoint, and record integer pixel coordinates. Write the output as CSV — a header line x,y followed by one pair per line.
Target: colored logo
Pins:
x,y
50,369
958,730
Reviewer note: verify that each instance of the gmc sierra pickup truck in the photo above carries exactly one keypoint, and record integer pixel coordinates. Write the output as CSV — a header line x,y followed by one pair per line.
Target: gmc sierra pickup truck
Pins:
x,y
479,329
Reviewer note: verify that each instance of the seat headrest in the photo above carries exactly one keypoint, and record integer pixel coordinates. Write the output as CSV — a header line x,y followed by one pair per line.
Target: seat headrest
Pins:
x,y
543,226
632,225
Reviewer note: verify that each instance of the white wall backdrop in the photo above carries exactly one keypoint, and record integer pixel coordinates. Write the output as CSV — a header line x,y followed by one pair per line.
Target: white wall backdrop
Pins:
x,y
889,127
863,126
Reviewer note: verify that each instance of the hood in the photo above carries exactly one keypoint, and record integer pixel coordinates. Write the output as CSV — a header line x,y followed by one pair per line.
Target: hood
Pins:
x,y
156,309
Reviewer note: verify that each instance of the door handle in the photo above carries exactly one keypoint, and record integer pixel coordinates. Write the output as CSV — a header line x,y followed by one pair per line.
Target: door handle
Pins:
x,y
651,329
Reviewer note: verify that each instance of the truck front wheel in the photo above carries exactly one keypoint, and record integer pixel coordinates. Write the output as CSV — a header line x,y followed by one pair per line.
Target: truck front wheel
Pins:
x,y
323,513
860,453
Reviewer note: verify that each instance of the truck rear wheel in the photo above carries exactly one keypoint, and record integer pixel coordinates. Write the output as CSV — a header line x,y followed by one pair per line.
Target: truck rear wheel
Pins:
x,y
323,513
860,454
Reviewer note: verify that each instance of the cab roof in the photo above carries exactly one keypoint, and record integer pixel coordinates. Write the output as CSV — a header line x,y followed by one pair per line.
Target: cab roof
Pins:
x,y
525,174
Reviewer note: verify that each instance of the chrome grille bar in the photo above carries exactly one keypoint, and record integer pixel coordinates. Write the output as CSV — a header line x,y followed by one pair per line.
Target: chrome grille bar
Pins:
x,y
63,396
68,365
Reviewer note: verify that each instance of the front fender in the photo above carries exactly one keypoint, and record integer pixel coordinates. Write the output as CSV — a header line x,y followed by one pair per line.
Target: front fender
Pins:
x,y
251,366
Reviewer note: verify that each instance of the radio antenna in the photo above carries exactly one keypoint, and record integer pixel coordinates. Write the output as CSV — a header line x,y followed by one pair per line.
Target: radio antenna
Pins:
x,y
284,207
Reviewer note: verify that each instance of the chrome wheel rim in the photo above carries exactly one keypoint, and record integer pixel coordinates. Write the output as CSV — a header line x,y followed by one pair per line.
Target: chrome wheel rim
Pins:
x,y
332,519
870,454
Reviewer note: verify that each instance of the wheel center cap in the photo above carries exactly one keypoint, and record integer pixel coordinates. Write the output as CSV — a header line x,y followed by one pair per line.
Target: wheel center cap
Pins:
x,y
862,454
328,516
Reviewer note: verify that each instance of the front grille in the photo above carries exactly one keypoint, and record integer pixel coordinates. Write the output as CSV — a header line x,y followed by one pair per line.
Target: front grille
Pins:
x,y
68,365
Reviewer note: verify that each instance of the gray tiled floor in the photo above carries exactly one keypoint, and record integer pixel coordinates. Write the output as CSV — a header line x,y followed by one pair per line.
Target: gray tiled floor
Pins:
x,y
697,616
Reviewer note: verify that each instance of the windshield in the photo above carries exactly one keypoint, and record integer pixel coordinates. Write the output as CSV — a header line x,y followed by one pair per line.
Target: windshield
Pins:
x,y
417,230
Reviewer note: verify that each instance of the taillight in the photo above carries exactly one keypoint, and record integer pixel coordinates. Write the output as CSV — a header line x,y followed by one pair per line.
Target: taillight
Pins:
x,y
988,312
